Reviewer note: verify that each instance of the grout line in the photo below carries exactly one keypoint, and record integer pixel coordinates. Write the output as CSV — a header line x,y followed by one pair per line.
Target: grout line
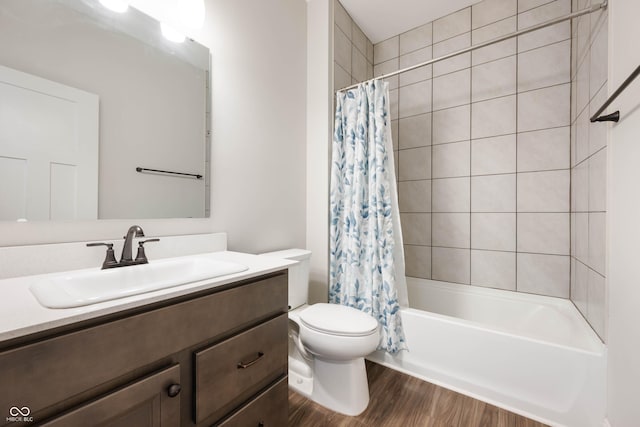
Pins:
x,y
431,166
482,175
470,152
497,213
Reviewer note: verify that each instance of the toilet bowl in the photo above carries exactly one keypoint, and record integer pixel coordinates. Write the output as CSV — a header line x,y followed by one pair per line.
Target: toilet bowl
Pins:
x,y
327,345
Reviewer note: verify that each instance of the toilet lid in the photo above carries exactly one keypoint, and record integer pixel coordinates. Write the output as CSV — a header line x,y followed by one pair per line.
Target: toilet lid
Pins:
x,y
338,319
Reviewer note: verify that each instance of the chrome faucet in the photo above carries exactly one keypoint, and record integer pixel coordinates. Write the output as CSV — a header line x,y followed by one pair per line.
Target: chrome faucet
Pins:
x,y
134,231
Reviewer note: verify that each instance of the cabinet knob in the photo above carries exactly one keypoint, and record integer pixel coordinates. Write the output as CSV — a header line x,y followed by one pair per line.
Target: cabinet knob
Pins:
x,y
174,390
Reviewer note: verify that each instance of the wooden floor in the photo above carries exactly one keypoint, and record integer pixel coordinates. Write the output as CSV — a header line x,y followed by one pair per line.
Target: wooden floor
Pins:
x,y
399,400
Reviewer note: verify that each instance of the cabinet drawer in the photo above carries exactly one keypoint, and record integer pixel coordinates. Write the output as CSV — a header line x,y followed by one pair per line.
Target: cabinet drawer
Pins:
x,y
269,409
229,373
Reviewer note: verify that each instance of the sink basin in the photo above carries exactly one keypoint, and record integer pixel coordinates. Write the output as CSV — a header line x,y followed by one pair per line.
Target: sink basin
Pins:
x,y
84,287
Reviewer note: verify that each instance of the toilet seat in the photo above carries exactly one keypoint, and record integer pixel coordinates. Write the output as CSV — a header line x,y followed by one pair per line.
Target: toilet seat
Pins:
x,y
338,320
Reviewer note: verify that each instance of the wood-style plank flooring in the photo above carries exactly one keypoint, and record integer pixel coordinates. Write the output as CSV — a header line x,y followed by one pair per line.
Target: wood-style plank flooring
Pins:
x,y
399,400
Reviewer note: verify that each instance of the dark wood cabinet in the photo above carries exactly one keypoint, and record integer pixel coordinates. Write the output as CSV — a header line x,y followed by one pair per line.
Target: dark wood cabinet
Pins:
x,y
223,349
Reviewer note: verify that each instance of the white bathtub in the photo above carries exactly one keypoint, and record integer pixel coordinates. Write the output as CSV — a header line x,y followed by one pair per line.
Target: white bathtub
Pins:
x,y
529,354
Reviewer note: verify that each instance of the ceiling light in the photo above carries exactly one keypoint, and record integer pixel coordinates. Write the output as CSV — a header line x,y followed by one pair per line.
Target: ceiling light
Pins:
x,y
171,33
119,6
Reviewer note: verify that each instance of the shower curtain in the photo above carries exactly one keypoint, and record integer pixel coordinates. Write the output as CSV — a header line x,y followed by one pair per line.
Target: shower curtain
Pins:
x,y
366,256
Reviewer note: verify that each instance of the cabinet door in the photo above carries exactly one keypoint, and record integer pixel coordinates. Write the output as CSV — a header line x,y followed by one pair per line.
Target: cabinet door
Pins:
x,y
151,401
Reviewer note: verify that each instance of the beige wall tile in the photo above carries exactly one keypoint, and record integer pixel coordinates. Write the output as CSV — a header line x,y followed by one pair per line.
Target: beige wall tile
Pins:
x,y
544,233
496,155
490,32
340,77
413,58
414,196
416,38
493,193
358,65
415,99
451,160
582,237
451,265
598,181
596,309
415,131
414,164
493,231
452,230
543,150
494,79
493,269
358,39
342,18
451,195
452,124
597,134
493,117
543,274
451,45
452,90
342,50
416,228
548,35
417,261
386,50
597,241
544,108
545,66
579,285
452,25
543,191
385,68
489,11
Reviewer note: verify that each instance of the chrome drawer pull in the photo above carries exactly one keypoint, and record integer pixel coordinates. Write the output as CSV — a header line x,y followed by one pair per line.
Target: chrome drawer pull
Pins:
x,y
243,365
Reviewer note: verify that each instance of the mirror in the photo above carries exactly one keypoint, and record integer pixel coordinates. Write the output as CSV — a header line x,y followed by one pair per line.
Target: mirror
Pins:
x,y
94,106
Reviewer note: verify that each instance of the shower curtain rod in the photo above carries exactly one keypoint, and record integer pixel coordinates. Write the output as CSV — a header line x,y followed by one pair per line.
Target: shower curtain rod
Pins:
x,y
554,21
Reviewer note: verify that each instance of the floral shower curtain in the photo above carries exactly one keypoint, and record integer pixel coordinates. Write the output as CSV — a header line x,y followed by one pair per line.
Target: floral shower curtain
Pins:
x,y
366,257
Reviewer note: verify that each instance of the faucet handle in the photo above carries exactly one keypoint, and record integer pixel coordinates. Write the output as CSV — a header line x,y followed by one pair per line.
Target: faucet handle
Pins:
x,y
141,257
110,258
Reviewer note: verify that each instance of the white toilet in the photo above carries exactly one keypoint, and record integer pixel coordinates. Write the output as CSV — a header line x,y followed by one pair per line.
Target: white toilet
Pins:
x,y
327,344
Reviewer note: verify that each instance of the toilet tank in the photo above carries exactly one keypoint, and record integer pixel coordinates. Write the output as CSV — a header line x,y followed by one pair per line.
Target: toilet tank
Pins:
x,y
298,274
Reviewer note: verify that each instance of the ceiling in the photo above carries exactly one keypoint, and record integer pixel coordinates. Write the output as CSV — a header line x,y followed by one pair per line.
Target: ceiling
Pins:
x,y
381,19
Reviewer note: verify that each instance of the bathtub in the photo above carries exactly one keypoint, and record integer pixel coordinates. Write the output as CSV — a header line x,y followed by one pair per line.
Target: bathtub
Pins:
x,y
529,354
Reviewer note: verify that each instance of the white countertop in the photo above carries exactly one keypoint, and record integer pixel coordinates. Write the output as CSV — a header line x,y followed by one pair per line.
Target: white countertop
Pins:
x,y
21,314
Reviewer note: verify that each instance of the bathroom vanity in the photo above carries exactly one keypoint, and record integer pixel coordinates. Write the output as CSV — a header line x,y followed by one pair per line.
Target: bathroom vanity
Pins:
x,y
210,353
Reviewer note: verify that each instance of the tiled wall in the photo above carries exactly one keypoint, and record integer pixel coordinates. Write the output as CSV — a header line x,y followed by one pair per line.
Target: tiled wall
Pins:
x,y
588,165
353,51
483,147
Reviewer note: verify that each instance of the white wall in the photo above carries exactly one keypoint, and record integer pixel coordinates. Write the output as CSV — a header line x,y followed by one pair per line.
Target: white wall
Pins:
x,y
624,219
258,121
319,108
259,111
